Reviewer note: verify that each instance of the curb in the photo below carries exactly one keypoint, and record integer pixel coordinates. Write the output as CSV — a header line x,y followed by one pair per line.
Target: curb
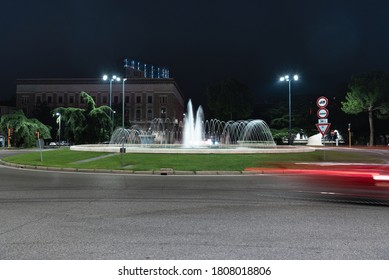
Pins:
x,y
162,171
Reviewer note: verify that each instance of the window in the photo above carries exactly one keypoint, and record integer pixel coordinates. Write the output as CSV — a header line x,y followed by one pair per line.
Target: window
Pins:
x,y
38,99
138,113
60,99
150,99
149,114
104,99
163,113
138,99
25,99
127,99
116,99
49,99
71,99
163,99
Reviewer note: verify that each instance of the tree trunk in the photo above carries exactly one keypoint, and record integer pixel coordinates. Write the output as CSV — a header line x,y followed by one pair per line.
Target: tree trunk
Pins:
x,y
371,141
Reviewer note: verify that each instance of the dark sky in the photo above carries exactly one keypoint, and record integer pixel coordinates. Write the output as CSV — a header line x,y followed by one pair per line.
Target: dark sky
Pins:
x,y
201,42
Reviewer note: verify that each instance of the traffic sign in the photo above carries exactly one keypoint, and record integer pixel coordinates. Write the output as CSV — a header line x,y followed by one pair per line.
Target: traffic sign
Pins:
x,y
323,128
322,121
322,113
322,102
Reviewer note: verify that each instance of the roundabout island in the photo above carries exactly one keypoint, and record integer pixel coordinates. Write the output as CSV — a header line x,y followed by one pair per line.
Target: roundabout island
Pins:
x,y
194,136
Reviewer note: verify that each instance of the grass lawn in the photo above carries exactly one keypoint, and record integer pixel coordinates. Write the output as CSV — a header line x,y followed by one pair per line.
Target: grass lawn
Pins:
x,y
65,158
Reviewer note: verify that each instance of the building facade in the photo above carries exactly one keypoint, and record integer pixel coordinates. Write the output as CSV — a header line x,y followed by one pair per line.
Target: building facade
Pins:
x,y
5,110
144,98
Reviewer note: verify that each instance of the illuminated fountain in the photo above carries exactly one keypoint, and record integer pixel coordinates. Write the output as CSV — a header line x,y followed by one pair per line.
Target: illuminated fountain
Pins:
x,y
245,133
193,135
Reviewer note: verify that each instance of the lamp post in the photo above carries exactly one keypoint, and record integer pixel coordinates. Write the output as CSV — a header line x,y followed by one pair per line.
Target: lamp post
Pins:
x,y
113,78
113,118
59,127
286,78
123,149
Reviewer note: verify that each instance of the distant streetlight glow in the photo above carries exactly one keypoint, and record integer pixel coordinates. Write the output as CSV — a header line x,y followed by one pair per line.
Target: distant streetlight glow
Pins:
x,y
282,79
286,78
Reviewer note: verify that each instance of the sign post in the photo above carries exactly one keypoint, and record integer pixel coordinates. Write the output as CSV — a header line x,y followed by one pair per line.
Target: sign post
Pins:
x,y
37,134
349,135
322,124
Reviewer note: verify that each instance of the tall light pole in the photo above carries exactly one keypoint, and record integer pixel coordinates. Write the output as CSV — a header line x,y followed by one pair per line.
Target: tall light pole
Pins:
x,y
124,80
113,78
286,78
59,127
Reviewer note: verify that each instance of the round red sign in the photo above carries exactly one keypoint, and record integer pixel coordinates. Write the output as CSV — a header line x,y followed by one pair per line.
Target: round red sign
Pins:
x,y
322,113
322,102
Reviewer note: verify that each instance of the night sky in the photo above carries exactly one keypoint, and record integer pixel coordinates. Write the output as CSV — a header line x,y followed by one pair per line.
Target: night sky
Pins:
x,y
201,42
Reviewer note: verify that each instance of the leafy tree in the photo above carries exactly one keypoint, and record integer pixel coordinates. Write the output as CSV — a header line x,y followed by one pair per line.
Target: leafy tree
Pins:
x,y
230,99
368,92
303,118
279,121
24,129
278,115
74,123
43,113
86,125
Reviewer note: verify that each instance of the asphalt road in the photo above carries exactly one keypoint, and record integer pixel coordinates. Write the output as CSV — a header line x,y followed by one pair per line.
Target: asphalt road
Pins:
x,y
59,215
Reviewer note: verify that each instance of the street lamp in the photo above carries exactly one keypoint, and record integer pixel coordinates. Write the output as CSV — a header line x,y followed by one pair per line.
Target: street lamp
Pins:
x,y
113,118
113,78
286,78
124,135
59,127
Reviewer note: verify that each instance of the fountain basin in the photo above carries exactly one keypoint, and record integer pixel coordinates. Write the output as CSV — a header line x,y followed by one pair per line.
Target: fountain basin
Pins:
x,y
178,149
